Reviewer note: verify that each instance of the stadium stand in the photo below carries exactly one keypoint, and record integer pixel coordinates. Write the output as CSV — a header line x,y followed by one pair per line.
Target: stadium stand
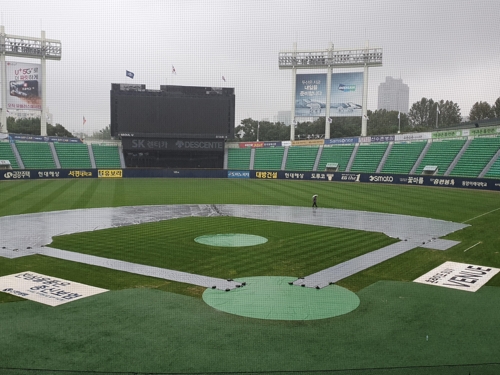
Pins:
x,y
368,157
301,158
441,154
6,153
476,157
36,155
494,171
403,157
73,155
106,156
268,158
239,158
336,154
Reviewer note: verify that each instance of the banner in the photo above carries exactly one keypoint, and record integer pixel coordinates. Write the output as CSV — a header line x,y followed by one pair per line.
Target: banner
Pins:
x,y
377,138
459,276
24,81
238,174
172,144
46,289
412,136
346,95
310,95
309,142
341,141
40,138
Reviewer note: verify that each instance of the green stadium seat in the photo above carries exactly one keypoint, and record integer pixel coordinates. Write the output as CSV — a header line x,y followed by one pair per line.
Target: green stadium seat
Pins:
x,y
340,154
106,156
368,157
301,158
403,157
441,154
36,155
6,153
268,158
476,157
238,158
73,155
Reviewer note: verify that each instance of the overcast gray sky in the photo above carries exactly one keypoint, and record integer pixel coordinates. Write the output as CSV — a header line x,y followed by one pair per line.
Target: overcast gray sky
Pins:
x,y
443,49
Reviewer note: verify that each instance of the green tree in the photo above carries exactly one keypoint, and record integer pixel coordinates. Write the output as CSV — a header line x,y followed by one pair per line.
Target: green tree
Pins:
x,y
481,111
449,113
496,107
387,122
247,130
32,126
23,125
58,131
103,134
422,114
341,127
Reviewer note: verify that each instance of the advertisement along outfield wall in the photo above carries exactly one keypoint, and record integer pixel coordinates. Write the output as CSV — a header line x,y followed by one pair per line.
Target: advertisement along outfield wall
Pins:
x,y
374,178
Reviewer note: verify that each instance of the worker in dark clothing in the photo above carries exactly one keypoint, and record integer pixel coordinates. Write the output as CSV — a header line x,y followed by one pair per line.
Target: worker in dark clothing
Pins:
x,y
315,201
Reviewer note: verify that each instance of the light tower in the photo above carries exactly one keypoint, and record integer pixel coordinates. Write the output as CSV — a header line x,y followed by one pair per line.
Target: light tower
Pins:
x,y
329,59
34,48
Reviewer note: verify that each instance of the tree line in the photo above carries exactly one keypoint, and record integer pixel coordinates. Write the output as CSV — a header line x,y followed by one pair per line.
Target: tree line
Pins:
x,y
32,126
424,115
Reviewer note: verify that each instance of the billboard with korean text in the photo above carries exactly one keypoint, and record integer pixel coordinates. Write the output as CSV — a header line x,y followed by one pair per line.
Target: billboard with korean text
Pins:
x,y
24,83
345,100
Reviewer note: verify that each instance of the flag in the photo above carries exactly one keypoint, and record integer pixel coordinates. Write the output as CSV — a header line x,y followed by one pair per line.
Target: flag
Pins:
x,y
438,111
330,120
173,70
129,74
84,121
365,117
399,115
223,78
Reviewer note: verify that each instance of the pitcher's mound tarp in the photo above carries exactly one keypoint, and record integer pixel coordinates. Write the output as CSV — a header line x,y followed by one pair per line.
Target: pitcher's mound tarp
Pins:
x,y
230,240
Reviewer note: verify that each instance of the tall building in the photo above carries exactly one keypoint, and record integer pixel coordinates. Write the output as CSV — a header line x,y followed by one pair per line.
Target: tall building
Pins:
x,y
284,117
394,95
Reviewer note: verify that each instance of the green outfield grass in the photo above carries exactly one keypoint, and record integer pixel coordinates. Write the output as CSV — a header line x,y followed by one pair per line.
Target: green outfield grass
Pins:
x,y
151,325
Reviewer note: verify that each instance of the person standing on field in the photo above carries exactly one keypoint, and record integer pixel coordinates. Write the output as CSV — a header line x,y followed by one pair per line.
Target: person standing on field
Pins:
x,y
315,200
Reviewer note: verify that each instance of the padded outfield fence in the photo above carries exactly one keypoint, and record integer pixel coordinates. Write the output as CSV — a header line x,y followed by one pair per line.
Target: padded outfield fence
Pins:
x,y
376,178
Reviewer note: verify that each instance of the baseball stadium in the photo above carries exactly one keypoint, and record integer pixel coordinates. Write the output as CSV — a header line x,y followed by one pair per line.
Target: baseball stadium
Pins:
x,y
175,251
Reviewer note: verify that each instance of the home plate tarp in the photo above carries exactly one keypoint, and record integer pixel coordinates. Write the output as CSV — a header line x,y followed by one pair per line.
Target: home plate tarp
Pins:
x,y
45,289
459,276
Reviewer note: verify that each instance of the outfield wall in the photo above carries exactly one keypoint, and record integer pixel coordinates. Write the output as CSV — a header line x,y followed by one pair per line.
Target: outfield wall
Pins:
x,y
373,178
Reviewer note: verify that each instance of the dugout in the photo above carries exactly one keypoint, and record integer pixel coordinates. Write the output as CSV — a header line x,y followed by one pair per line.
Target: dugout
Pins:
x,y
5,165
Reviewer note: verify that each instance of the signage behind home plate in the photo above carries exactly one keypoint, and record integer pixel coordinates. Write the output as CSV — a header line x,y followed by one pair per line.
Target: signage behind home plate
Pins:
x,y
45,289
460,276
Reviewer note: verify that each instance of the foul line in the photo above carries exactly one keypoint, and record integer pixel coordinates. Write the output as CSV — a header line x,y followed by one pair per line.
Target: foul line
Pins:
x,y
486,213
472,246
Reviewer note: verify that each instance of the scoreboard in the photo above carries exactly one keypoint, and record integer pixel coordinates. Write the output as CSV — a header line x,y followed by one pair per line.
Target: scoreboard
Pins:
x,y
172,111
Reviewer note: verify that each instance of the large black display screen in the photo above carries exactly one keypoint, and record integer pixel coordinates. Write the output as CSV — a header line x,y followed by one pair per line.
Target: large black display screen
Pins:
x,y
192,112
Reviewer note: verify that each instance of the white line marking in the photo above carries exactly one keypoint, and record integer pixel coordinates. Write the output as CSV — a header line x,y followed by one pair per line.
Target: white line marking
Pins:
x,y
486,213
472,246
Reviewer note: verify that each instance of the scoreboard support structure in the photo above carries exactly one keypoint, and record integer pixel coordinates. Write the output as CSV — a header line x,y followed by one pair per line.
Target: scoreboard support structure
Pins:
x,y
27,47
329,59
